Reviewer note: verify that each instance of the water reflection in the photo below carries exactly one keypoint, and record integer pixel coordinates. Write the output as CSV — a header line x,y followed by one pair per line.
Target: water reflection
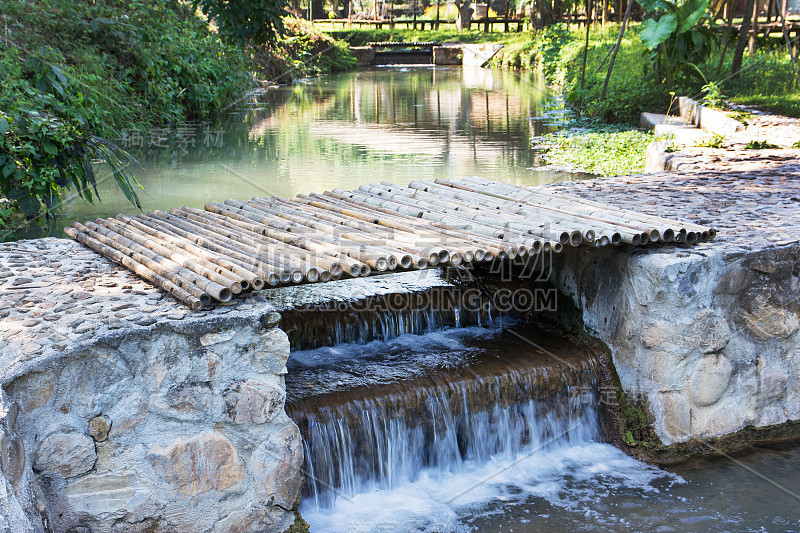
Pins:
x,y
395,124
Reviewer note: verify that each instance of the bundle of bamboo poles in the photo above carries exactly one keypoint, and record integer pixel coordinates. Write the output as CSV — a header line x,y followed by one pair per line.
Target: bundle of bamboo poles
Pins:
x,y
202,256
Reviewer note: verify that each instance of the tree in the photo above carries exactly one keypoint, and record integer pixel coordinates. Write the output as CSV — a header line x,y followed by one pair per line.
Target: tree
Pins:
x,y
255,21
738,54
465,12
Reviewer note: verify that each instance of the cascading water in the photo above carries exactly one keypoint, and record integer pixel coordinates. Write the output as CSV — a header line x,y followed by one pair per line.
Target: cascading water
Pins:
x,y
421,417
432,411
384,442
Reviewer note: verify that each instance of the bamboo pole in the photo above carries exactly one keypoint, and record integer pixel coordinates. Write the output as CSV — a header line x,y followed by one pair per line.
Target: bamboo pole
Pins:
x,y
270,251
234,283
140,269
264,270
401,253
579,200
220,239
601,213
322,245
487,216
492,248
253,279
215,290
481,219
628,236
165,270
382,216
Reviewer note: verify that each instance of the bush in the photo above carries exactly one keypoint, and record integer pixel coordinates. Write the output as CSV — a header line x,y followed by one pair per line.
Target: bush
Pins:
x,y
74,72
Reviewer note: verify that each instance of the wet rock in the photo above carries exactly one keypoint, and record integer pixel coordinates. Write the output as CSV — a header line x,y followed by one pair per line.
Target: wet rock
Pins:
x,y
69,454
709,379
199,464
276,467
99,427
98,495
733,282
21,281
767,318
773,380
146,321
191,397
677,417
12,456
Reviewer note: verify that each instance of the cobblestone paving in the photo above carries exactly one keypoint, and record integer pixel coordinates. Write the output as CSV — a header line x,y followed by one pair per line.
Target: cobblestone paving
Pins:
x,y
57,295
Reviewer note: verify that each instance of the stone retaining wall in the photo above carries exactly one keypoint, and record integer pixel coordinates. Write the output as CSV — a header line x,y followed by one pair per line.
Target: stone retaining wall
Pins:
x,y
706,334
708,338
174,425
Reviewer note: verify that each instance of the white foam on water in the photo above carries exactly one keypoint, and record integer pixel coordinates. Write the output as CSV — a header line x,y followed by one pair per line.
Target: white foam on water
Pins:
x,y
571,477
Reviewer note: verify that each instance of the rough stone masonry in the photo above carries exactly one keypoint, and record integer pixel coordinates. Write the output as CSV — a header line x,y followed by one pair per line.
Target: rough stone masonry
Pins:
x,y
123,411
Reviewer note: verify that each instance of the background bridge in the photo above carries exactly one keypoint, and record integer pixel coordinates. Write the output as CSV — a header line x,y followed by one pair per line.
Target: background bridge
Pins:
x,y
205,255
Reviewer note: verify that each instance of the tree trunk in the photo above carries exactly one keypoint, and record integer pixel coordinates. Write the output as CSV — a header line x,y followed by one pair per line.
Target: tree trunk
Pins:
x,y
738,54
616,49
585,55
465,12
754,27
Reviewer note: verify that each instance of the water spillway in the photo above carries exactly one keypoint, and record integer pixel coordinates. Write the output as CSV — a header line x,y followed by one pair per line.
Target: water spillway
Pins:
x,y
383,439
424,402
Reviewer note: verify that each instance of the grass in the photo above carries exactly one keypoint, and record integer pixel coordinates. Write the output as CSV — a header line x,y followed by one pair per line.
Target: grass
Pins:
x,y
766,81
602,150
760,145
715,141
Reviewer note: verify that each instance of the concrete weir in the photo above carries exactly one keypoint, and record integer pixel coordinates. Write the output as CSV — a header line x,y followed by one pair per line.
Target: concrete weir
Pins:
x,y
124,410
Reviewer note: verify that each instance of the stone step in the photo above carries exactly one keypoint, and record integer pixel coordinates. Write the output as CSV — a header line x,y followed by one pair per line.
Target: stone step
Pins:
x,y
708,119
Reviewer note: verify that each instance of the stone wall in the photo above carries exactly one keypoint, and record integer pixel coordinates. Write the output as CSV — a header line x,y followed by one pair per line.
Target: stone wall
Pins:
x,y
182,429
110,421
707,336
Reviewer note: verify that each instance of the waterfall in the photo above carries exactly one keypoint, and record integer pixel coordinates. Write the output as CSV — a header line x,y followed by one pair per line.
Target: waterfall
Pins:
x,y
385,317
385,440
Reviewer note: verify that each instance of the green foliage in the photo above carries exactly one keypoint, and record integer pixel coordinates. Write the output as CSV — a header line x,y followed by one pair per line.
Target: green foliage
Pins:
x,y
254,21
741,116
607,151
74,72
302,51
760,145
41,157
796,145
715,141
712,95
679,36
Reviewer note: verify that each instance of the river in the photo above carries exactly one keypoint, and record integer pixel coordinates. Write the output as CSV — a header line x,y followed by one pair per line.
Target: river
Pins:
x,y
395,124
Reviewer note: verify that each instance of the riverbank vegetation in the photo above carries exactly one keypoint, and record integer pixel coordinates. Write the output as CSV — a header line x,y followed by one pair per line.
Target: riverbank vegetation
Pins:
x,y
766,78
77,75
601,149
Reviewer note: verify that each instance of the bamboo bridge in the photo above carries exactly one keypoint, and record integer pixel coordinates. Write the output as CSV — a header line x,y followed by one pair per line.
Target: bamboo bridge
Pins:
x,y
203,256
